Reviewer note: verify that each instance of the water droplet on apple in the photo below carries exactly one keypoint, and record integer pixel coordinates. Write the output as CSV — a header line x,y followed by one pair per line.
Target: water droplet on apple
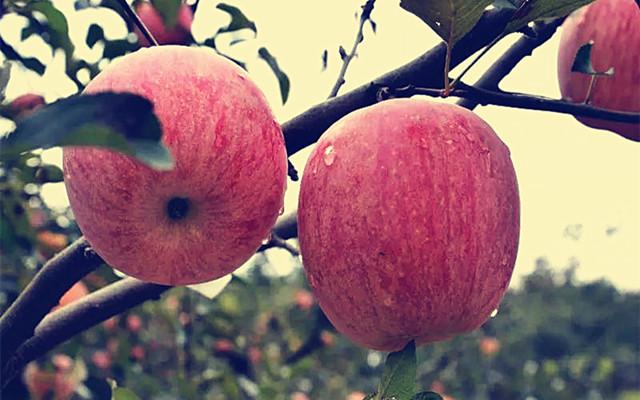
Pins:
x,y
266,240
387,301
329,156
494,313
281,211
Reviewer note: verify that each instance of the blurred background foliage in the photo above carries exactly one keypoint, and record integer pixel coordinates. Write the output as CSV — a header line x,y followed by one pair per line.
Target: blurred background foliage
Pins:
x,y
263,336
553,338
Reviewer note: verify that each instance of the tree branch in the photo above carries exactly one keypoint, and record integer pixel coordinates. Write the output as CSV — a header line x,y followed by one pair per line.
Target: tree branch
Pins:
x,y
74,318
519,100
367,8
44,292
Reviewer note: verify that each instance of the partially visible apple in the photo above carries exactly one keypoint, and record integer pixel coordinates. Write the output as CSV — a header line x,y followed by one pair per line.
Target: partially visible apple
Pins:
x,y
25,104
408,222
77,291
152,19
614,28
208,215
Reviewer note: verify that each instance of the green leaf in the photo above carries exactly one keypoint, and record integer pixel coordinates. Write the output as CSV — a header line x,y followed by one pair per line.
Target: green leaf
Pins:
x,y
56,24
283,79
399,375
582,62
117,48
123,122
535,10
238,19
168,11
123,394
48,174
94,35
450,19
427,396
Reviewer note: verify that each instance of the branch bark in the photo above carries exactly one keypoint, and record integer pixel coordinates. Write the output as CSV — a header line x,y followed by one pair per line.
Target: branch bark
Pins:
x,y
70,320
44,292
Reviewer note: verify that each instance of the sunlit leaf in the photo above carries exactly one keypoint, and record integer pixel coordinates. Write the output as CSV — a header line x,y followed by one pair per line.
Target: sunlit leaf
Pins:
x,y
283,79
450,19
399,375
123,122
535,10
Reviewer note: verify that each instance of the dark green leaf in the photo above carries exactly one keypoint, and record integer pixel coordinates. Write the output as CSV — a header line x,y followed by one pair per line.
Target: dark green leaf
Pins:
x,y
399,375
117,48
342,52
168,10
535,10
34,27
122,122
283,79
450,19
123,394
94,35
582,63
48,174
427,396
238,19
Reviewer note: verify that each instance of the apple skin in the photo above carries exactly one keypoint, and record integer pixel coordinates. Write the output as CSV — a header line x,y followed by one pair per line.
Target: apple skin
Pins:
x,y
231,166
152,19
614,28
408,223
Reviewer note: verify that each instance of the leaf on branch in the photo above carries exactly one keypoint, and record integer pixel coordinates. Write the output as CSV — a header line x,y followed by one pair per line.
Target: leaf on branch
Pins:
x,y
238,19
213,288
399,375
450,19
168,11
536,10
427,396
342,52
57,26
283,79
582,63
95,33
123,122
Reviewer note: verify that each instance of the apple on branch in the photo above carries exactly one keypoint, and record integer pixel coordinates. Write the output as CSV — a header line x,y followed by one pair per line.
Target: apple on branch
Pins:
x,y
208,215
408,222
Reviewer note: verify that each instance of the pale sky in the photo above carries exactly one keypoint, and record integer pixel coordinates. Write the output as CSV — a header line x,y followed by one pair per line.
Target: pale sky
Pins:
x,y
568,174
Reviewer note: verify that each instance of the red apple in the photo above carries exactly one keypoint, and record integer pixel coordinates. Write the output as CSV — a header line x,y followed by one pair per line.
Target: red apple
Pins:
x,y
24,105
614,28
152,19
408,222
208,215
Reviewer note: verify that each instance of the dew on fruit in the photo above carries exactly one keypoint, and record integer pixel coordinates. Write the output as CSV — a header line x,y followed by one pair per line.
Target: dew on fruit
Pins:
x,y
329,156
494,313
266,240
281,210
387,301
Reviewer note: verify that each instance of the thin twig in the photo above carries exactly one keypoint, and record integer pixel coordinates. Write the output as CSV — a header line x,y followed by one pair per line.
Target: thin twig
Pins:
x,y
519,100
131,13
277,241
367,8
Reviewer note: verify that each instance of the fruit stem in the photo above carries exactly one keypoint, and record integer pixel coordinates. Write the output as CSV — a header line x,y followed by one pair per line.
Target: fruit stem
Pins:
x,y
592,83
130,12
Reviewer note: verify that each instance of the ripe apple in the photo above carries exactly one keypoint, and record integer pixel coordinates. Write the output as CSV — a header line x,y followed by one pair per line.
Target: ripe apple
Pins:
x,y
408,222
152,19
25,104
208,215
614,28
